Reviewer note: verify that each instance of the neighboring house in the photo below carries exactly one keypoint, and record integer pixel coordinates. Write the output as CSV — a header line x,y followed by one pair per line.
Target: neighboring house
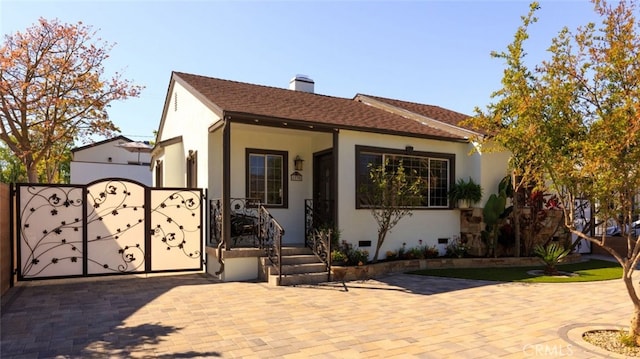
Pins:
x,y
241,140
118,157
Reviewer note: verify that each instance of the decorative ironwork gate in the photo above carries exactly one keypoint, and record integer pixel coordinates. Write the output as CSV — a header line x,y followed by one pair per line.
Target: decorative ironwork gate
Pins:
x,y
113,226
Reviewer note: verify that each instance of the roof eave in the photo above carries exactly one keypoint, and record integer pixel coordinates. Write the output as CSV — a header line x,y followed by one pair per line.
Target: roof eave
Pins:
x,y
261,120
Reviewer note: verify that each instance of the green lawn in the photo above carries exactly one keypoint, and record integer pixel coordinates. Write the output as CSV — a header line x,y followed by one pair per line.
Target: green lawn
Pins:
x,y
588,271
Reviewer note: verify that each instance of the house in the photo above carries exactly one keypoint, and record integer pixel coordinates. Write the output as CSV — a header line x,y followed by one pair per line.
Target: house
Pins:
x,y
300,155
118,157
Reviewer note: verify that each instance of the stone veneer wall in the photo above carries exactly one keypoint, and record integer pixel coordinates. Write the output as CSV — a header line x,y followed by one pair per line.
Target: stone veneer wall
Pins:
x,y
471,226
374,270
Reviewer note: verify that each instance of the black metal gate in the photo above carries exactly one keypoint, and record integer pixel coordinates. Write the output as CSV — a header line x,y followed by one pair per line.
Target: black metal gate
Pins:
x,y
113,226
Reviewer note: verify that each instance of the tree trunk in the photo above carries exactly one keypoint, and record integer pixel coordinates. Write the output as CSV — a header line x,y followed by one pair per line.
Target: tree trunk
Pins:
x,y
634,325
516,218
381,235
32,174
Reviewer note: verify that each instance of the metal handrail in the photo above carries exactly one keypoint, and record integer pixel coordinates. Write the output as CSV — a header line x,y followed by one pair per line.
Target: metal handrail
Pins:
x,y
245,213
270,234
318,239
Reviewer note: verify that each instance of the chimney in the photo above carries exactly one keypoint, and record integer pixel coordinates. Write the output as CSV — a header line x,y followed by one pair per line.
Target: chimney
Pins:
x,y
301,83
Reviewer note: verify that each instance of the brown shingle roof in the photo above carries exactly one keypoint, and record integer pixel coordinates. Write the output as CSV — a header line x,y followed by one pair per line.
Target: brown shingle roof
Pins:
x,y
278,103
434,112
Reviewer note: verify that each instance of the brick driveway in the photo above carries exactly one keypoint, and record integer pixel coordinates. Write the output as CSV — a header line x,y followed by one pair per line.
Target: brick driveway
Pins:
x,y
399,315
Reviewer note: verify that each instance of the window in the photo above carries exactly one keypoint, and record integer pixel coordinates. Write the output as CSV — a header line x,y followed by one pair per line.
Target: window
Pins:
x,y
192,169
266,177
434,169
159,173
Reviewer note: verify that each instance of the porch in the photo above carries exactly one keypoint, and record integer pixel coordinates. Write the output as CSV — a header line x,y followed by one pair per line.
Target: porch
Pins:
x,y
254,249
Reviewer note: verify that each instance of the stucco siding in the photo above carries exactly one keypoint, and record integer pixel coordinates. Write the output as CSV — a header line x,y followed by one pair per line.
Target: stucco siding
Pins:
x,y
214,171
426,225
188,117
85,172
109,152
494,169
295,143
174,166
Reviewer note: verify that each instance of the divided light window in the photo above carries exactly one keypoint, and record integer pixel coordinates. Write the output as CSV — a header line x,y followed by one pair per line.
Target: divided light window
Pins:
x,y
435,171
266,177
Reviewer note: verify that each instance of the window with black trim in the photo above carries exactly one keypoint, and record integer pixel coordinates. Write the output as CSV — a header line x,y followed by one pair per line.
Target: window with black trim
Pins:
x,y
435,171
192,169
267,177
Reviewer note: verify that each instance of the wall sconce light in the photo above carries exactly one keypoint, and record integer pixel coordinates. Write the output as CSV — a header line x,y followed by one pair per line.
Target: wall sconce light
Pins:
x,y
297,163
409,149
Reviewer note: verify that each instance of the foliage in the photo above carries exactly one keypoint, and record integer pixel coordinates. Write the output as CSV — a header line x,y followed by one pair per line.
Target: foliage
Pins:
x,y
493,213
338,257
413,253
333,231
587,271
626,339
419,252
430,251
390,198
346,255
551,254
574,123
458,248
54,92
464,190
11,169
358,256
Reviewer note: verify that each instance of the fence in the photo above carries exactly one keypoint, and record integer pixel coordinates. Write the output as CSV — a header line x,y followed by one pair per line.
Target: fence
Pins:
x,y
112,226
5,238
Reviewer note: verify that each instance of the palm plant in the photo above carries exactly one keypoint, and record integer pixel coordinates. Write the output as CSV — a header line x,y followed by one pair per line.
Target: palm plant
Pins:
x,y
551,255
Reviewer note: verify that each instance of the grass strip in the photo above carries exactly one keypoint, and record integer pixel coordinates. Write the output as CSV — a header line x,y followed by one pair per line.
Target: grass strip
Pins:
x,y
588,271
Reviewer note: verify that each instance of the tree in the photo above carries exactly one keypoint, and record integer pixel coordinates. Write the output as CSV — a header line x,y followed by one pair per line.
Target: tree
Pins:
x,y
11,169
53,91
574,124
57,166
390,195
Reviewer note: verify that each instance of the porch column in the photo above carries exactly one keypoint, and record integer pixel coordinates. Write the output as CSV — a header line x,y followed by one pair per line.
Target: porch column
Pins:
x,y
336,179
226,182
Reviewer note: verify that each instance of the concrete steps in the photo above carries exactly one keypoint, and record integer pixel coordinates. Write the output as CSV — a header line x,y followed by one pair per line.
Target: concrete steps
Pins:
x,y
299,266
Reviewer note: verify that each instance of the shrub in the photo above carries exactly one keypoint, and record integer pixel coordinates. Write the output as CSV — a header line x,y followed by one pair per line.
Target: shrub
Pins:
x,y
347,255
338,258
358,256
391,255
430,252
415,253
457,248
551,255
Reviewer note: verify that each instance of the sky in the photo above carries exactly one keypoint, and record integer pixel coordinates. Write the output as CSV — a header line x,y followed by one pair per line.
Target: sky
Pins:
x,y
432,52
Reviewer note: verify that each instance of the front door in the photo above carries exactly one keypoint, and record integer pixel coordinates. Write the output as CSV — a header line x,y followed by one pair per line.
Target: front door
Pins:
x,y
323,190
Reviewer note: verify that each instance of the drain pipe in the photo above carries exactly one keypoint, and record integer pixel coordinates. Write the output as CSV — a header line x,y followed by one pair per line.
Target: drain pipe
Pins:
x,y
226,188
220,258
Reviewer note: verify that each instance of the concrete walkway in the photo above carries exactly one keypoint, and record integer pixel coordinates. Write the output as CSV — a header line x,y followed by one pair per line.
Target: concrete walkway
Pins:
x,y
396,316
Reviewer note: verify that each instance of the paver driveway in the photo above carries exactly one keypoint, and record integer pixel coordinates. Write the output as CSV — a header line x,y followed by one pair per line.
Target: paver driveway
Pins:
x,y
399,315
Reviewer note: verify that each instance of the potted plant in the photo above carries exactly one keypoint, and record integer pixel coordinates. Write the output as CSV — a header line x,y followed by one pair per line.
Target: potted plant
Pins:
x,y
465,193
